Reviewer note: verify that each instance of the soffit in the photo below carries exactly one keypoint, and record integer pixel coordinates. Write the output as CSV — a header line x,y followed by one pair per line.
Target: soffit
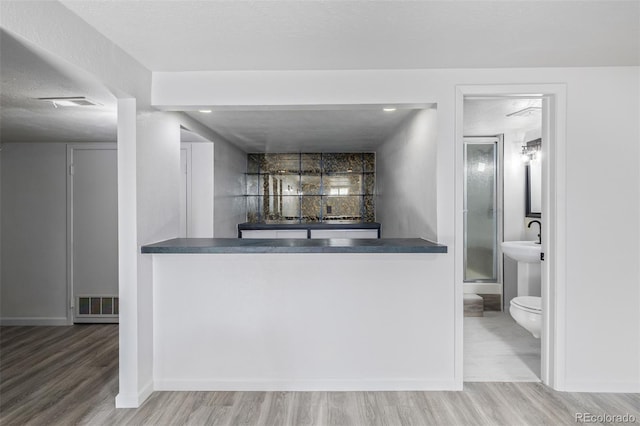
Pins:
x,y
317,35
336,129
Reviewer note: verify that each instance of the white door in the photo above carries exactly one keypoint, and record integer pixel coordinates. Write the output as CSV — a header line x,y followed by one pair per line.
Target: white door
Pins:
x,y
93,212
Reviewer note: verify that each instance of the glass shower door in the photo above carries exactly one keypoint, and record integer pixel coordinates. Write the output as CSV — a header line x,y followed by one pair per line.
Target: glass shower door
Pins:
x,y
481,199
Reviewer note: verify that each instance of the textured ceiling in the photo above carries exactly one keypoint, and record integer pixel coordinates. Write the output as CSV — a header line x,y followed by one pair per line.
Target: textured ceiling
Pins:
x,y
289,35
331,130
180,35
27,74
488,117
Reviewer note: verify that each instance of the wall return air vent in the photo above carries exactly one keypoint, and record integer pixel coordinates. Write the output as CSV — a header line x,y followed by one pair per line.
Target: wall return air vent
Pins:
x,y
97,308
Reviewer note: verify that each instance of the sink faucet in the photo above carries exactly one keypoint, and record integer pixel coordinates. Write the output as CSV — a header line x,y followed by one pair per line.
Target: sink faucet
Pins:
x,y
539,230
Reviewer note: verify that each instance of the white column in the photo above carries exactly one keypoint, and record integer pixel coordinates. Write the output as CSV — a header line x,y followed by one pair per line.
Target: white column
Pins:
x,y
130,393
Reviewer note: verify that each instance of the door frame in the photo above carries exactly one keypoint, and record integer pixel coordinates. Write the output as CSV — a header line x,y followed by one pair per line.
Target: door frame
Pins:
x,y
554,117
70,237
186,147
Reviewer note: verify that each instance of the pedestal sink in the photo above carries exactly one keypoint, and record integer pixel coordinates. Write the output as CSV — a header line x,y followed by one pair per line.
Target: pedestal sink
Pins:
x,y
527,253
522,251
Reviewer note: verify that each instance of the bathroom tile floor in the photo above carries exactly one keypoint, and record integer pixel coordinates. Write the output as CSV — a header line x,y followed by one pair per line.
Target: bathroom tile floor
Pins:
x,y
496,349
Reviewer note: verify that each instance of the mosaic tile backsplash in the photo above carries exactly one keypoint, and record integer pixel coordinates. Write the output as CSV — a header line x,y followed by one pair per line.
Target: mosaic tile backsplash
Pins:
x,y
303,188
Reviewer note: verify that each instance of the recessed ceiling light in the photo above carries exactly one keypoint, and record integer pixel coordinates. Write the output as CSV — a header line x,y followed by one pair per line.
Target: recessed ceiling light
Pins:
x,y
204,111
389,109
70,101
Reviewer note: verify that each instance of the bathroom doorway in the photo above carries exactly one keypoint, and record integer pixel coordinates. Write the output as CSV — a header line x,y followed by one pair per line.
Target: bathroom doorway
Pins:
x,y
496,209
551,107
553,100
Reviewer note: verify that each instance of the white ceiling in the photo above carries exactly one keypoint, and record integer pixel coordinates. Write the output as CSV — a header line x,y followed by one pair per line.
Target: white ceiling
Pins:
x,y
27,74
488,117
184,35
305,130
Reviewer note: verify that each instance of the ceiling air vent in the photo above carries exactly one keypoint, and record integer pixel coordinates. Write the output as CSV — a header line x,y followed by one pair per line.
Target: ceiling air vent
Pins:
x,y
525,112
70,101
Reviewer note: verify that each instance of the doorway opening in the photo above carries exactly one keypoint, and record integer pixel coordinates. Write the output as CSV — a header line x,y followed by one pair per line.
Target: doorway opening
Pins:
x,y
515,355
196,185
497,348
92,232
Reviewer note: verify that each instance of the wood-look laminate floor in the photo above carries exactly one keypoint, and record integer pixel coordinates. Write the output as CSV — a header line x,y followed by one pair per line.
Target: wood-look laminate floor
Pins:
x,y
69,375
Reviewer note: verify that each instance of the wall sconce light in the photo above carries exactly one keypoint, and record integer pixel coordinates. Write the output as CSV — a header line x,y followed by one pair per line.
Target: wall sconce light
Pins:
x,y
531,150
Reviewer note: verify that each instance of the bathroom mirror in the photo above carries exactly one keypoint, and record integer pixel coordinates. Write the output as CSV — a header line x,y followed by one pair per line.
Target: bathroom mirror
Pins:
x,y
533,179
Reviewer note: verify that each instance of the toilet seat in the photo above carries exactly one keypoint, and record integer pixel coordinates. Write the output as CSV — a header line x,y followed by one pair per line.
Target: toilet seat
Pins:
x,y
531,304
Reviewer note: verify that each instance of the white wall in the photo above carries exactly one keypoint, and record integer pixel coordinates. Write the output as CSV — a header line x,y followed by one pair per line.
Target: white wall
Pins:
x,y
406,177
199,189
230,164
602,105
229,205
514,188
513,210
158,175
34,234
158,216
603,211
515,222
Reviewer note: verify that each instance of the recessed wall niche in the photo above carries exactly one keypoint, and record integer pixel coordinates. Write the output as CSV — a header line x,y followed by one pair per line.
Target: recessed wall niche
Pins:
x,y
306,188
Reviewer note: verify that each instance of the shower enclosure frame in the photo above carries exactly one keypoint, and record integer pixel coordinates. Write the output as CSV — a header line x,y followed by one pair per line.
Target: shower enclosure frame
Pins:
x,y
483,285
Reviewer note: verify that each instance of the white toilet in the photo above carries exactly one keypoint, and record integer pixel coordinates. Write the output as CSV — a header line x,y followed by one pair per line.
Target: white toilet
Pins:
x,y
527,311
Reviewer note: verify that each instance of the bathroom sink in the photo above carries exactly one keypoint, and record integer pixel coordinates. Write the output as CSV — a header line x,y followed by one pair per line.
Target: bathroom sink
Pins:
x,y
522,251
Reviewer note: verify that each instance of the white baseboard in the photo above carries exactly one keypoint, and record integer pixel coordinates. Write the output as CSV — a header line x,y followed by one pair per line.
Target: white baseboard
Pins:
x,y
134,400
304,386
605,387
33,321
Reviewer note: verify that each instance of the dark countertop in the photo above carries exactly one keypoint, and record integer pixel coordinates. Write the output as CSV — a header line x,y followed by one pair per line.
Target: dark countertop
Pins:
x,y
290,245
313,225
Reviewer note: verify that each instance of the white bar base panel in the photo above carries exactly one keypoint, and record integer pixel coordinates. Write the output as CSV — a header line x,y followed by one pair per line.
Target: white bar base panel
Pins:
x,y
303,322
